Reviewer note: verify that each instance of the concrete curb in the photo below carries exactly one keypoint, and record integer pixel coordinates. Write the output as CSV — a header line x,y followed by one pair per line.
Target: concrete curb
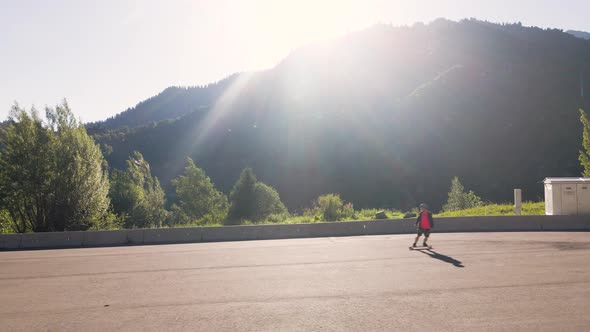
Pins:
x,y
289,231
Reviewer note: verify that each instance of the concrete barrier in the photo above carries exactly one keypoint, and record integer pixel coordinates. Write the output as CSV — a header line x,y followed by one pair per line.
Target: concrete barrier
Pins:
x,y
265,232
487,224
10,241
172,235
112,238
51,240
565,223
230,233
290,231
348,228
390,226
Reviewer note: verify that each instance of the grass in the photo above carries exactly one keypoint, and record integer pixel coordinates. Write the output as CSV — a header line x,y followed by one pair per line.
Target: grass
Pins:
x,y
528,208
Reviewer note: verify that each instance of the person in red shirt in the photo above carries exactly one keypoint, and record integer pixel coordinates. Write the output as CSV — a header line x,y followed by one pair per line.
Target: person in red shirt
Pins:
x,y
424,223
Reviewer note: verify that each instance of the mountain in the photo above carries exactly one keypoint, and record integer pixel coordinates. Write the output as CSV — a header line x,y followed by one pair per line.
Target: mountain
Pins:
x,y
171,103
385,116
579,34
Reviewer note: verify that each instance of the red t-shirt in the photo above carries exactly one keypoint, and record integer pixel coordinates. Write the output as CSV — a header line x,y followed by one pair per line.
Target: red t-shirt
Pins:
x,y
424,222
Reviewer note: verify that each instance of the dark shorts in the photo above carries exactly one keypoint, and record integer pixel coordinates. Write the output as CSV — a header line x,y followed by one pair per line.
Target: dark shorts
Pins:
x,y
421,231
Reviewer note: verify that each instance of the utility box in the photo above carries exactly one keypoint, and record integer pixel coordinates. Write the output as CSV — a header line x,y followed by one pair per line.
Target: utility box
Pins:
x,y
567,196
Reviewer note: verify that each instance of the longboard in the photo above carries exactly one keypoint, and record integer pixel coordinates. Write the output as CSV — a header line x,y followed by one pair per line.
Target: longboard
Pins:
x,y
421,248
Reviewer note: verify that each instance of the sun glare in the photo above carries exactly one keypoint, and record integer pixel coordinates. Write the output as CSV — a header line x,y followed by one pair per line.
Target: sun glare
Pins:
x,y
281,26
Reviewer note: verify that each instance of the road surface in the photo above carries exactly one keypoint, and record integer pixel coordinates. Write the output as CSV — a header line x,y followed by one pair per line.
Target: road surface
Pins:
x,y
490,281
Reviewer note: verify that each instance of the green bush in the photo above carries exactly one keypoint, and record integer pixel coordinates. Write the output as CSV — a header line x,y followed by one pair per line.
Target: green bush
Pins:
x,y
410,214
381,215
277,218
109,222
331,207
177,216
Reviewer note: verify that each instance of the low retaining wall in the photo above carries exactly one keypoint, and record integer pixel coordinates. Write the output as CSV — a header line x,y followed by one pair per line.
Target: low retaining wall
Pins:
x,y
267,232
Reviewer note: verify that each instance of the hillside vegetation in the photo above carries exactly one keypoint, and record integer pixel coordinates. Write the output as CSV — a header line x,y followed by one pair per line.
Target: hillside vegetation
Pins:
x,y
528,208
368,125
386,117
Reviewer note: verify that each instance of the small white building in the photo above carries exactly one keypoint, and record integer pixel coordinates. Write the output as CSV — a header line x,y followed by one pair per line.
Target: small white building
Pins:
x,y
567,196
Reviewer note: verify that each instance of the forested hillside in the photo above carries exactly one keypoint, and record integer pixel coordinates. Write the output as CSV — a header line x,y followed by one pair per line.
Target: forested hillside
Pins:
x,y
385,116
579,34
168,104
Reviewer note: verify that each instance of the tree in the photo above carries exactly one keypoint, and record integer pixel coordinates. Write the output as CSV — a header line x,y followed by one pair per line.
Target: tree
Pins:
x,y
459,199
51,176
267,201
138,196
123,193
81,184
198,197
253,200
26,171
584,154
243,202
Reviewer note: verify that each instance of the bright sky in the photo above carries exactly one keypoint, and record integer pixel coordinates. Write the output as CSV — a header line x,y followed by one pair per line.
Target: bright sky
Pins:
x,y
107,55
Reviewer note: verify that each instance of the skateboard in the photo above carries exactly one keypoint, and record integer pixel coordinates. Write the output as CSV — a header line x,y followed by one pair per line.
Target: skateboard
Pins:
x,y
420,248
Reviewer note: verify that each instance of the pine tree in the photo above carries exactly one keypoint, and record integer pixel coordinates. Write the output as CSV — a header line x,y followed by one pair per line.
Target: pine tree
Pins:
x,y
253,200
459,199
584,154
243,202
199,199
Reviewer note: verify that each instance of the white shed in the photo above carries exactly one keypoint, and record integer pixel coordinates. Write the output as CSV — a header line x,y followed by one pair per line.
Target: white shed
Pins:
x,y
567,196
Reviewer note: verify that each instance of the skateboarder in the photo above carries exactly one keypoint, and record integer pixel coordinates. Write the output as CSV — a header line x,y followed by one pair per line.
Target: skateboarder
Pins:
x,y
425,223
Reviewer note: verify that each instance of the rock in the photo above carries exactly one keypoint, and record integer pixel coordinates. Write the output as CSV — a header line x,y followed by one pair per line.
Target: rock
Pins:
x,y
380,215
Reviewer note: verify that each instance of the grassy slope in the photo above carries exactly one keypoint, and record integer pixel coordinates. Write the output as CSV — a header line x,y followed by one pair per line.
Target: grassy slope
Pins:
x,y
528,208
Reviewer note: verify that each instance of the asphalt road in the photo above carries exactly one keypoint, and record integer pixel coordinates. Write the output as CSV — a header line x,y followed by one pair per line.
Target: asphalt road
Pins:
x,y
489,281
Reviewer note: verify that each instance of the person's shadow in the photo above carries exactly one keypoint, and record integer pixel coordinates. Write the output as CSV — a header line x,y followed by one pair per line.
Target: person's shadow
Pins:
x,y
442,257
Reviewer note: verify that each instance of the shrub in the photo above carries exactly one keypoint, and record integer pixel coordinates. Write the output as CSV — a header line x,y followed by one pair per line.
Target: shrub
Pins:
x,y
276,218
177,217
410,214
109,222
381,215
330,207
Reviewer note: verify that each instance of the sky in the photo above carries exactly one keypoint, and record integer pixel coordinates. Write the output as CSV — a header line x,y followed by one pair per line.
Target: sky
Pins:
x,y
105,56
